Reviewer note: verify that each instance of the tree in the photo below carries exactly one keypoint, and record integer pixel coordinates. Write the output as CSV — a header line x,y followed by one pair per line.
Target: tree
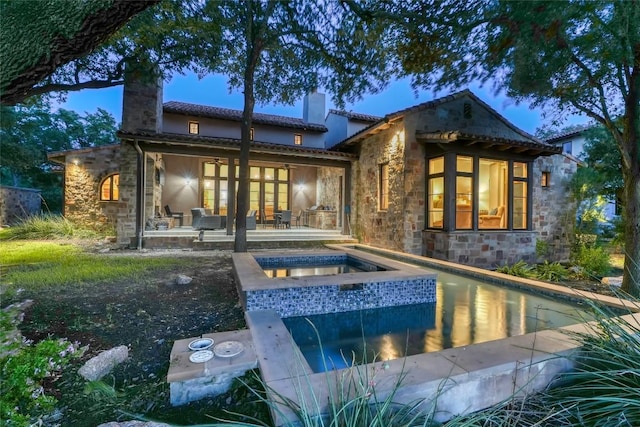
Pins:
x,y
573,57
37,37
29,132
278,51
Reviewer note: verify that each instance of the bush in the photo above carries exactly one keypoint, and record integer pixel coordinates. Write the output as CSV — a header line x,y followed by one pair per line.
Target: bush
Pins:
x,y
23,369
594,261
519,269
49,227
553,272
542,248
604,387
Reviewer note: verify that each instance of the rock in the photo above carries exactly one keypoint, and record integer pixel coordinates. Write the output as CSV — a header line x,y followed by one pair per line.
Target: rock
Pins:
x,y
133,424
99,366
183,280
612,281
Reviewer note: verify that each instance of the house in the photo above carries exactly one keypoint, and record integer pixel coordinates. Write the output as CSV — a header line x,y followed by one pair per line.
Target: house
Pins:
x,y
572,143
450,178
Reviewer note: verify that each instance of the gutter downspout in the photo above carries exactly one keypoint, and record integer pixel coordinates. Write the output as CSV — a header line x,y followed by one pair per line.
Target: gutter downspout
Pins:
x,y
139,193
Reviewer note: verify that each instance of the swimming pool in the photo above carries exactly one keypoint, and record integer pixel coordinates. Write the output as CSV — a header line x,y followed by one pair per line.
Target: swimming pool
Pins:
x,y
466,312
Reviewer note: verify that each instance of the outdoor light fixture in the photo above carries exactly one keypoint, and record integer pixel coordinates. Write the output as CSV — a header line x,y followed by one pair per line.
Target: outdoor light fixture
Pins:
x,y
187,182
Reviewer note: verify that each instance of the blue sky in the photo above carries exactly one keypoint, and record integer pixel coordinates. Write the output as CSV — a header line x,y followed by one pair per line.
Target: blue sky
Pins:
x,y
212,90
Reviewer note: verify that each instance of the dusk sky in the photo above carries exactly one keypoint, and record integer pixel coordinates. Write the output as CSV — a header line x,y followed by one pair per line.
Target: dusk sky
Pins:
x,y
212,90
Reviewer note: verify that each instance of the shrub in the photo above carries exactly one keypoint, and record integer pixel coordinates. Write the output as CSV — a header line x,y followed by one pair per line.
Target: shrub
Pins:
x,y
23,369
519,269
604,387
553,272
542,248
592,260
49,227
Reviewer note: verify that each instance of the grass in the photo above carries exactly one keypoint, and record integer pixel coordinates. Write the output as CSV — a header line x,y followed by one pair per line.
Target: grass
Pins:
x,y
50,227
38,264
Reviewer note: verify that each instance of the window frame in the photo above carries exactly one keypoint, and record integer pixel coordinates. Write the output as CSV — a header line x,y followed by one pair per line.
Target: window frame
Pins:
x,y
297,139
449,180
110,178
190,129
383,186
545,179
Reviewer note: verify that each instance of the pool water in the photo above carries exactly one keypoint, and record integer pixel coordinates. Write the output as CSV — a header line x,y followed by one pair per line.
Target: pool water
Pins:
x,y
315,270
467,312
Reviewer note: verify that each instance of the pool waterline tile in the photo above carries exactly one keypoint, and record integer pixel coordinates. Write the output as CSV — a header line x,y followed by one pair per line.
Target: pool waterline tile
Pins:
x,y
397,284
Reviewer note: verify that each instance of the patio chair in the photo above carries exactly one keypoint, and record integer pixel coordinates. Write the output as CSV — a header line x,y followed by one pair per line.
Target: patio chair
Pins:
x,y
285,219
298,218
202,221
177,215
251,220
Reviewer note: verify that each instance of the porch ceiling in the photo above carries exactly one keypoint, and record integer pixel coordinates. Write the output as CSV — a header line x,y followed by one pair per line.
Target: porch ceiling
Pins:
x,y
220,147
531,148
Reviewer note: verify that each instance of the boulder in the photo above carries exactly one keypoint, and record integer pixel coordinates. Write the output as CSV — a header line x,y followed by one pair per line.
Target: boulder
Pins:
x,y
183,280
612,281
100,365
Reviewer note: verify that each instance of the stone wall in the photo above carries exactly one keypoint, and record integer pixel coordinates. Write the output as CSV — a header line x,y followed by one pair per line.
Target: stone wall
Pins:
x,y
18,203
126,217
481,249
84,172
329,187
398,227
554,209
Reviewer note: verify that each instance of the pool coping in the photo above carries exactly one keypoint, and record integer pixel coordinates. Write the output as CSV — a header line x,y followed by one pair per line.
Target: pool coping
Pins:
x,y
251,276
449,382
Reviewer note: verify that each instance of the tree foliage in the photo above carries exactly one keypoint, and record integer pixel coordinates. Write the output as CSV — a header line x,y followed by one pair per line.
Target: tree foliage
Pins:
x,y
278,51
29,132
38,37
574,56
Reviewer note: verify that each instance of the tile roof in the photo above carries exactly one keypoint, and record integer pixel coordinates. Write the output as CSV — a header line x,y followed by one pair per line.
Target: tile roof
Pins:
x,y
233,144
175,107
567,134
356,116
430,104
453,136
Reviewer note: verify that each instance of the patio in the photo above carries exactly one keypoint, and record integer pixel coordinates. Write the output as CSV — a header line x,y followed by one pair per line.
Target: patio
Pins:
x,y
262,237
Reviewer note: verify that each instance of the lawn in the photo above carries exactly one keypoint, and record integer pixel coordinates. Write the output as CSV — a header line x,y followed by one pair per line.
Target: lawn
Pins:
x,y
108,299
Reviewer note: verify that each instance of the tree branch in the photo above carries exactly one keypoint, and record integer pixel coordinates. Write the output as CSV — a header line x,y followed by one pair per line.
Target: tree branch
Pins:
x,y
95,30
62,87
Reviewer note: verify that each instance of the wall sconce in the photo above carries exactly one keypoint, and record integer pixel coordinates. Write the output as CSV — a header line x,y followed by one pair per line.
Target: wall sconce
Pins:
x,y
187,182
75,162
300,187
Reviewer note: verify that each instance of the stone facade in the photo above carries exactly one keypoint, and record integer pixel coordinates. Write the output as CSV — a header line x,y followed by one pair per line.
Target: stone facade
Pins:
x,y
484,249
17,204
84,172
554,221
397,227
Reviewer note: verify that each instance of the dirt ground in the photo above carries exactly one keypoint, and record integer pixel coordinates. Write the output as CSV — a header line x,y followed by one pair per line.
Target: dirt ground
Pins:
x,y
148,315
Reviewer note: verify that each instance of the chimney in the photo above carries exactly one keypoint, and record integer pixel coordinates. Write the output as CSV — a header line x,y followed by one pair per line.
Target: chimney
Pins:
x,y
313,108
142,102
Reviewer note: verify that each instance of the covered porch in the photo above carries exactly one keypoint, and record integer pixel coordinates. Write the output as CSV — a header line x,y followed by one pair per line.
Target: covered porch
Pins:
x,y
182,174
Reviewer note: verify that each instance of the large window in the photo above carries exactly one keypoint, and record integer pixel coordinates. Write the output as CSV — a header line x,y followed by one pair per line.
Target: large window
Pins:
x,y
110,188
215,194
268,191
464,192
383,187
435,193
493,192
473,192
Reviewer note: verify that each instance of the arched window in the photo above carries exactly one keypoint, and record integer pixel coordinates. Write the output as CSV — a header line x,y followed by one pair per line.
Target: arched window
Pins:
x,y
110,188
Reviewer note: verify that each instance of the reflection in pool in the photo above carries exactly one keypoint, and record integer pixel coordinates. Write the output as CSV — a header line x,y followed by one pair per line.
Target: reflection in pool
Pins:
x,y
467,312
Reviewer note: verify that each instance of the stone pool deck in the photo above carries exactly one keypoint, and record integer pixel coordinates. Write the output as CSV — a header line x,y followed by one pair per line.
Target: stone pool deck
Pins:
x,y
190,381
449,382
